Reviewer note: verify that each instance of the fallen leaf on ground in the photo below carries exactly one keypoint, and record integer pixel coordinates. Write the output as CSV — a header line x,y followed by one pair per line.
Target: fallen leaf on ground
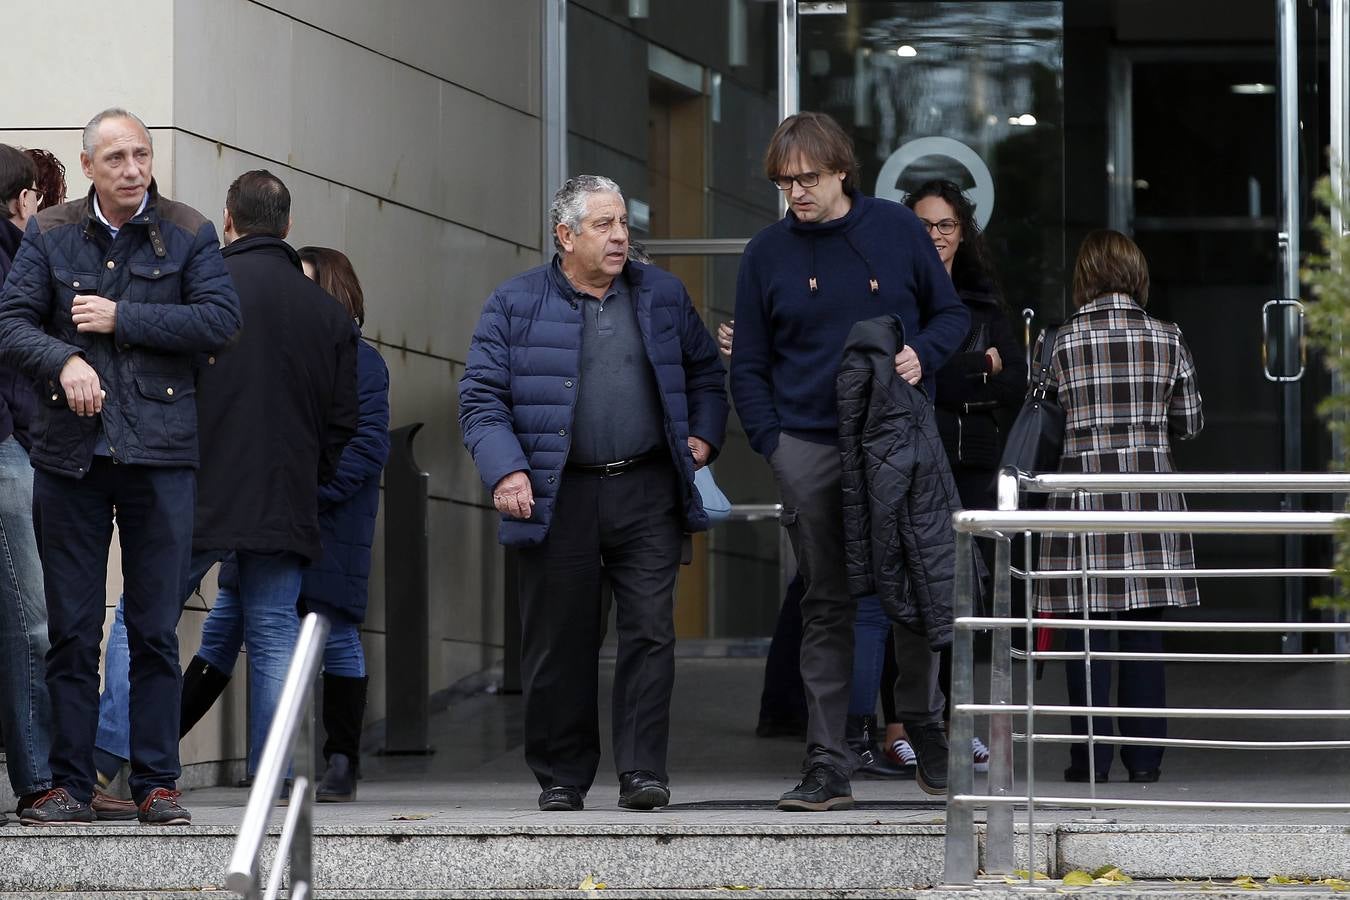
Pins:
x,y
1077,878
1247,883
590,884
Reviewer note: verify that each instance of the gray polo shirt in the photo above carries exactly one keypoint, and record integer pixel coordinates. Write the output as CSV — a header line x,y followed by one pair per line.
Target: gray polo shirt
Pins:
x,y
618,413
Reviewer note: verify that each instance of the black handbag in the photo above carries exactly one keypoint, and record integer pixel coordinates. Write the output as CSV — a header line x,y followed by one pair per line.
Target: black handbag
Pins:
x,y
1036,439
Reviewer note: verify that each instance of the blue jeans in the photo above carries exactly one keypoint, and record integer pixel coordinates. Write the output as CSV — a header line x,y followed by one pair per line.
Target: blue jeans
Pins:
x,y
25,708
74,524
269,585
261,614
870,628
343,655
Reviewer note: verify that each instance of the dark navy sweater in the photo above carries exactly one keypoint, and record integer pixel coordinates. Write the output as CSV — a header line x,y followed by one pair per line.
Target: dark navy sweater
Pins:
x,y
873,261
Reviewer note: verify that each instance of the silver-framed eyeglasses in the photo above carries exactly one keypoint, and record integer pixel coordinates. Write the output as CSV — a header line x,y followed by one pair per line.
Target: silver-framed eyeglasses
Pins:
x,y
943,226
805,179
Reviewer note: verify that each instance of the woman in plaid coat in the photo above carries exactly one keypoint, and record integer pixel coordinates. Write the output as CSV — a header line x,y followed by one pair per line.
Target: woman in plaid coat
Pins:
x,y
1127,384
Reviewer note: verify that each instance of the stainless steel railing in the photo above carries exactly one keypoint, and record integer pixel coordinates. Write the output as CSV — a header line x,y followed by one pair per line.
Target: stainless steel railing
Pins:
x,y
291,734
1002,525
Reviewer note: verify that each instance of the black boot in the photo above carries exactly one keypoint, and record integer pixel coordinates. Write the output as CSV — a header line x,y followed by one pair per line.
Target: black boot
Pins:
x,y
203,684
344,708
860,733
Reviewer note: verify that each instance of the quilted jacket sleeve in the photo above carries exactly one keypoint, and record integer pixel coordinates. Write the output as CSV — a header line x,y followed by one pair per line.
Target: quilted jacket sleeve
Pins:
x,y
485,413
853,388
366,453
704,380
25,304
926,537
206,319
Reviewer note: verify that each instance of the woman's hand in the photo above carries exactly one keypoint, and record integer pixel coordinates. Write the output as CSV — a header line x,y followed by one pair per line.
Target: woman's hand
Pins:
x,y
995,361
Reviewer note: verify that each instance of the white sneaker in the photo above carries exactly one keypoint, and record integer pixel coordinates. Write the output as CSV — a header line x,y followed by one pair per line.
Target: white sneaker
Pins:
x,y
981,753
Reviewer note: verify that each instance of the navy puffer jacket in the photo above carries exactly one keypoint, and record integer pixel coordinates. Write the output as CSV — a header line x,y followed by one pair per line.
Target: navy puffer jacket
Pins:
x,y
519,388
175,300
337,585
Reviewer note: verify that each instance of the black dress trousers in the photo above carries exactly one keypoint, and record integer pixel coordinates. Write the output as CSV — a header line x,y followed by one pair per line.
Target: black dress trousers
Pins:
x,y
629,523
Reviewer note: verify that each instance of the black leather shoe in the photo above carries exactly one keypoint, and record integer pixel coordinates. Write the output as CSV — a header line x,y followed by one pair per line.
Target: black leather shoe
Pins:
x,y
930,746
1145,776
642,790
1080,776
822,788
561,799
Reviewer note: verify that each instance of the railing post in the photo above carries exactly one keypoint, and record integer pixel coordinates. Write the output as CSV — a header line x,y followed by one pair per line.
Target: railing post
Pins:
x,y
407,681
998,839
302,846
961,858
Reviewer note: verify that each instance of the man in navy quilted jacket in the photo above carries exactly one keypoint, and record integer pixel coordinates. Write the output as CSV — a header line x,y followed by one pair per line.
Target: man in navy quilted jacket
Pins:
x,y
108,301
591,394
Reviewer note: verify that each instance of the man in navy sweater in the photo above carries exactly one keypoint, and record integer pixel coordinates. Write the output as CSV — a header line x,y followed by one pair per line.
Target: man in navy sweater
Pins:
x,y
836,258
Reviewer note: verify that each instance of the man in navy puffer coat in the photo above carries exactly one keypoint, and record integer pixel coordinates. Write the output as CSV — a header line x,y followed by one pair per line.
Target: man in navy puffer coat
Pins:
x,y
109,300
591,394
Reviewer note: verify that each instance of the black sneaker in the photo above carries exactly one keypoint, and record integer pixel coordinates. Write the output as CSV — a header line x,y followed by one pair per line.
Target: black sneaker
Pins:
x,y
57,807
642,790
161,807
930,746
561,798
823,787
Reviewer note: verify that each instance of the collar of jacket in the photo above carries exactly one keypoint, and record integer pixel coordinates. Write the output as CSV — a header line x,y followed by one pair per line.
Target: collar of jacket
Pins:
x,y
632,270
873,343
10,238
262,242
1108,301
147,216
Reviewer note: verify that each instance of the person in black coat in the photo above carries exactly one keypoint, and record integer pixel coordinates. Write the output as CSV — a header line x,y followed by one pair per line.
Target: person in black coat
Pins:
x,y
980,389
336,586
275,409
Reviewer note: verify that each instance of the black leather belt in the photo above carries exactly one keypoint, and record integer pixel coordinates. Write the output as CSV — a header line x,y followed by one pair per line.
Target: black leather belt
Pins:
x,y
618,467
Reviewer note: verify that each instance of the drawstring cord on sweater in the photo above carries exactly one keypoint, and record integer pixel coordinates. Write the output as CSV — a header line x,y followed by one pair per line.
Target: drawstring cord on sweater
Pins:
x,y
872,282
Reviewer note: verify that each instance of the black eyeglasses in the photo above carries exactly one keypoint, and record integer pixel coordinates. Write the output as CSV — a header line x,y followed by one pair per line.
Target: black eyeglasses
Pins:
x,y
943,226
806,180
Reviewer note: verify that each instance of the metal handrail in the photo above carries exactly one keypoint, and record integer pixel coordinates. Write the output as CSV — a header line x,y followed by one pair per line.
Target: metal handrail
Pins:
x,y
293,719
1008,521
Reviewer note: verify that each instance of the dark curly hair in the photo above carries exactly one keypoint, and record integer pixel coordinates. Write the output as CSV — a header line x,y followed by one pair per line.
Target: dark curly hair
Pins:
x,y
51,177
971,268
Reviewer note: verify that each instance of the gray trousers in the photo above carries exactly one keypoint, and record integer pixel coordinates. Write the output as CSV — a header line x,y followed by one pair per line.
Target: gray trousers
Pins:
x,y
809,482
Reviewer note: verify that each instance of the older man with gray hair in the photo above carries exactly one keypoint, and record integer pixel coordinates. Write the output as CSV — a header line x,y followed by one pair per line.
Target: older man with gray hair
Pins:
x,y
591,395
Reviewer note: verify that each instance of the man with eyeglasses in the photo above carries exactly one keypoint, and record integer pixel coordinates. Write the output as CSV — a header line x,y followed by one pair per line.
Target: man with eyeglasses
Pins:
x,y
836,258
25,707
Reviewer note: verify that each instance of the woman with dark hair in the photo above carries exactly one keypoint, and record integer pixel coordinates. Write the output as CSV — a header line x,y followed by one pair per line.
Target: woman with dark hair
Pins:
x,y
336,586
978,390
1127,384
981,387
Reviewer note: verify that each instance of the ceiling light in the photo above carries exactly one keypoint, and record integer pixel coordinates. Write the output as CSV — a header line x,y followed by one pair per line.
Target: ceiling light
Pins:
x,y
906,51
1254,88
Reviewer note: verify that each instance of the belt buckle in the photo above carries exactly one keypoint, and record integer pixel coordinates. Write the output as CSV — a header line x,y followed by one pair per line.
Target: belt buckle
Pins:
x,y
615,468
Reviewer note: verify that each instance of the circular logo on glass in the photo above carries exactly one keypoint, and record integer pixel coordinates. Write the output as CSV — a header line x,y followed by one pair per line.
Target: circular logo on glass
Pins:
x,y
982,194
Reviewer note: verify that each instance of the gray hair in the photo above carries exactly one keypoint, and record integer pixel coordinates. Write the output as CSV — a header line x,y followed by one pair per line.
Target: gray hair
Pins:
x,y
569,203
112,112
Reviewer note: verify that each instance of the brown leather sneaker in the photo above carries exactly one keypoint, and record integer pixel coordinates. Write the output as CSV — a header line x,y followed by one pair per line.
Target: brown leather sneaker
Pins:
x,y
108,808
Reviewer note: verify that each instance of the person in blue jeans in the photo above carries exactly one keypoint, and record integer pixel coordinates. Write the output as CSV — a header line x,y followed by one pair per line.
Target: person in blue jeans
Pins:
x,y
275,409
25,707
